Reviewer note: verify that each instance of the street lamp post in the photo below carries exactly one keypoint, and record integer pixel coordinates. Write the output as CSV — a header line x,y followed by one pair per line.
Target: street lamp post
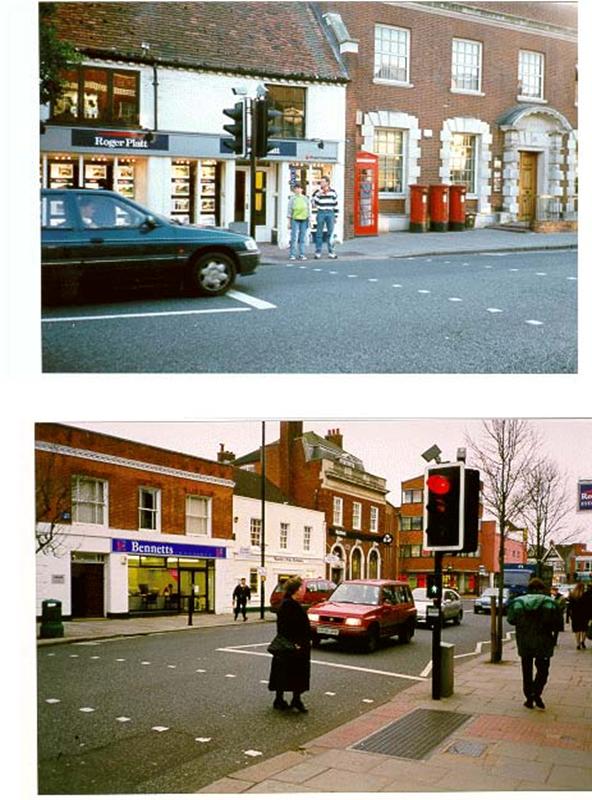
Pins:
x,y
262,571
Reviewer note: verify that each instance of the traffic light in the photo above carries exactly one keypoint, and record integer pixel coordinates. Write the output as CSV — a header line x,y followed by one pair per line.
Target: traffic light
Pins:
x,y
444,502
472,496
265,127
237,129
432,587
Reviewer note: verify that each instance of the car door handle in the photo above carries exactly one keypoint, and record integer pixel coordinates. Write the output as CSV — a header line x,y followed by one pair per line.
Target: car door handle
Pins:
x,y
97,240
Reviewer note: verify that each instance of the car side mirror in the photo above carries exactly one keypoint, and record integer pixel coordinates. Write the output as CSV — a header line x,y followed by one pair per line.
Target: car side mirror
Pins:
x,y
149,223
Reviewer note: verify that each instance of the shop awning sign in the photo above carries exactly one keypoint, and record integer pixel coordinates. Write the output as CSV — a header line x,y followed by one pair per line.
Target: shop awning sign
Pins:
x,y
138,547
119,140
584,495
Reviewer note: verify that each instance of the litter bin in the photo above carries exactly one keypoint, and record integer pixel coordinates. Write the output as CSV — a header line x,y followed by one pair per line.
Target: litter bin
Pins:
x,y
52,626
439,207
457,208
418,216
447,669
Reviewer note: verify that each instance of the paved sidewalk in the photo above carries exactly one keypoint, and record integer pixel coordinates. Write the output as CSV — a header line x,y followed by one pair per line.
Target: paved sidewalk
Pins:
x,y
405,244
502,746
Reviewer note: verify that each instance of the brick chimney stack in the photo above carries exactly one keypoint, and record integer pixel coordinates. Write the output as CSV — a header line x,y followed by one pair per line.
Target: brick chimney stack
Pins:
x,y
225,456
335,437
289,432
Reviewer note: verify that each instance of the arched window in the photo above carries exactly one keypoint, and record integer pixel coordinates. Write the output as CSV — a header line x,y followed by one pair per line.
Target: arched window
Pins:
x,y
356,564
373,564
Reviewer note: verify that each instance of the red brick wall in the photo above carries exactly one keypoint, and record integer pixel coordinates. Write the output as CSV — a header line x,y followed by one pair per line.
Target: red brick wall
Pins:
x,y
430,99
125,482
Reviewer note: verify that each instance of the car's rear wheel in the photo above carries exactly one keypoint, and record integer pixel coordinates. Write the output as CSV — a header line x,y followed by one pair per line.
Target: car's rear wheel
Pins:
x,y
211,274
406,634
372,640
458,618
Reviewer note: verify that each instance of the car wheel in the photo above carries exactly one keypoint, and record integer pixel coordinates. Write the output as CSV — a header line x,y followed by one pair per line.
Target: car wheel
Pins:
x,y
406,634
315,640
212,274
372,640
458,618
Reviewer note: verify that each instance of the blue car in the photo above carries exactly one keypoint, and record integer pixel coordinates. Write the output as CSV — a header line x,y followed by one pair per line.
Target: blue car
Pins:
x,y
482,605
92,240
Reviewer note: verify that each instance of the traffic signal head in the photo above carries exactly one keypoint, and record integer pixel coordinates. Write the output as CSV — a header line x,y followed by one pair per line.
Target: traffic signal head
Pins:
x,y
444,507
266,127
237,129
472,497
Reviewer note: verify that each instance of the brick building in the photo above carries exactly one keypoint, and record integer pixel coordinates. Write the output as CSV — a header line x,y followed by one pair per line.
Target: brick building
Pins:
x,y
122,521
468,573
482,94
316,472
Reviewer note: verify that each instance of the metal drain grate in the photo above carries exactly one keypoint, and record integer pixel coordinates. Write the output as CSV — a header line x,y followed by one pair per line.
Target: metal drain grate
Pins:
x,y
414,735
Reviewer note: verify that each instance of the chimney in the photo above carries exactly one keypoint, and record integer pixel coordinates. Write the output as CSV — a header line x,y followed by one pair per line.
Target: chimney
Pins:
x,y
289,432
335,437
225,456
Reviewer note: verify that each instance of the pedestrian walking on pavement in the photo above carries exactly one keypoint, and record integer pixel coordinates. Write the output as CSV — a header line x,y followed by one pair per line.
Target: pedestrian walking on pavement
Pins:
x,y
325,202
537,618
290,668
298,221
561,603
580,612
241,594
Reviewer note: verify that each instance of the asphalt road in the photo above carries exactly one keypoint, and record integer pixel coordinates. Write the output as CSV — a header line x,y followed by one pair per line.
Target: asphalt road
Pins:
x,y
176,711
478,313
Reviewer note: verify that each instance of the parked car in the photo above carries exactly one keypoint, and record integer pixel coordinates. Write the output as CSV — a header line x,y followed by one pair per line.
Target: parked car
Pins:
x,y
565,588
482,604
96,239
365,611
452,609
313,590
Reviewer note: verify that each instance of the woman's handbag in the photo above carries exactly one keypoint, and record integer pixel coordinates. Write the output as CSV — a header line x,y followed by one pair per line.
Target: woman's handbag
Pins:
x,y
280,645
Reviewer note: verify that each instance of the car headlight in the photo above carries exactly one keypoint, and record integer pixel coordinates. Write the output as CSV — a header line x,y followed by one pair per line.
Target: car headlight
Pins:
x,y
251,244
313,617
353,621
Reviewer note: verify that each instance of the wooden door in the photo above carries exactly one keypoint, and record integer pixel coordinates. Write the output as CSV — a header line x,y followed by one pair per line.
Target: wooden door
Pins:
x,y
527,191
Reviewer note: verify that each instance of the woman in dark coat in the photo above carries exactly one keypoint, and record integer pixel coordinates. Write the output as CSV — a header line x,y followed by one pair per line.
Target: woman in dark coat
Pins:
x,y
580,612
290,671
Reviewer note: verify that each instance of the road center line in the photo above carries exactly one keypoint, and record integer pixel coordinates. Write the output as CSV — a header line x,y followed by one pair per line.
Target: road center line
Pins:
x,y
325,664
250,301
140,315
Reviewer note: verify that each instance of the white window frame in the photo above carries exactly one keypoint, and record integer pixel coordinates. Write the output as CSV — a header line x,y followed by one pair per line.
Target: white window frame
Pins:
x,y
356,515
337,510
471,191
284,531
404,159
307,538
541,75
154,511
255,531
374,517
412,496
455,64
378,55
207,501
104,506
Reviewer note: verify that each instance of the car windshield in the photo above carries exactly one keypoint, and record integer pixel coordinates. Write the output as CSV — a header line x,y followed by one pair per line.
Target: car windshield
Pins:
x,y
420,594
356,593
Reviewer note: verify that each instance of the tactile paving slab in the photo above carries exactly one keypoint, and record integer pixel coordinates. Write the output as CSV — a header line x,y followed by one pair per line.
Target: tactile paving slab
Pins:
x,y
414,735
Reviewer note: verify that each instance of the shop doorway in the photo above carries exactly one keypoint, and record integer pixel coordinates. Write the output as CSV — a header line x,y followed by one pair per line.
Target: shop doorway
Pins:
x,y
242,199
527,187
88,594
198,578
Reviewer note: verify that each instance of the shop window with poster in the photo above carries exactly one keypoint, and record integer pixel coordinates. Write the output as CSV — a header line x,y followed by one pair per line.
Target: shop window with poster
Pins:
x,y
124,178
63,174
181,191
208,194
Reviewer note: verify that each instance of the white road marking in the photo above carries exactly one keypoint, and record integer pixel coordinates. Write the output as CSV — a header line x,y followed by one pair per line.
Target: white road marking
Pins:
x,y
424,291
466,264
203,738
333,272
74,655
94,658
487,266
540,273
201,670
86,709
159,728
172,666
455,299
372,280
572,278
252,753
352,276
145,663
534,322
495,310
397,285
498,255
261,305
330,694
367,701
120,659
229,675
317,269
321,663
123,719
144,315
53,700
51,654
513,269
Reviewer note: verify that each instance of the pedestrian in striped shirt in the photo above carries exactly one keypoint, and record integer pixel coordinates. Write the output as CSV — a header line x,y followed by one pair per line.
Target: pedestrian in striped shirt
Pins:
x,y
325,202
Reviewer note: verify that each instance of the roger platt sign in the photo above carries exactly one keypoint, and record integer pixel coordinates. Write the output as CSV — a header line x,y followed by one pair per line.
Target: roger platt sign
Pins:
x,y
585,496
119,140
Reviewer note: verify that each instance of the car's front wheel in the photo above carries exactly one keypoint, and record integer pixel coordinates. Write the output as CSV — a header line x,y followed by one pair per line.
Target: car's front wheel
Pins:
x,y
372,640
212,274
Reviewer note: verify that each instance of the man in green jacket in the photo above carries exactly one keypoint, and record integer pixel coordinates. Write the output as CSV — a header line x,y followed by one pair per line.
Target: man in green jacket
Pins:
x,y
537,618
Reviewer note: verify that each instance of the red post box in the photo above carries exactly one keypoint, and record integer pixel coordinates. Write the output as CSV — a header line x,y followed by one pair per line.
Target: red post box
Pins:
x,y
439,207
457,219
418,216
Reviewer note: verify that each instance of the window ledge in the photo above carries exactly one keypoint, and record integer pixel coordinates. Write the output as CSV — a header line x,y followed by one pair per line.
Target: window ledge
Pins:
x,y
524,99
473,92
392,195
400,84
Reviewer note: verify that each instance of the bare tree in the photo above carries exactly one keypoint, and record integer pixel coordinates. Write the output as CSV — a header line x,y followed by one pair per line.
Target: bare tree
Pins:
x,y
53,500
503,454
547,505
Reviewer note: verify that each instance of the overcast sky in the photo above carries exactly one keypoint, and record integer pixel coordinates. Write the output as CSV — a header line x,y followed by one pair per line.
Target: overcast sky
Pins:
x,y
389,448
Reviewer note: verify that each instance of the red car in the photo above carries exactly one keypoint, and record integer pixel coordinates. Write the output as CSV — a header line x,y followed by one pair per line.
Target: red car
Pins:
x,y
313,590
365,611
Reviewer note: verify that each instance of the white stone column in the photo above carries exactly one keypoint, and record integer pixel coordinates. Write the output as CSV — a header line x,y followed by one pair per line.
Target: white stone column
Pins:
x,y
227,192
511,172
571,173
283,192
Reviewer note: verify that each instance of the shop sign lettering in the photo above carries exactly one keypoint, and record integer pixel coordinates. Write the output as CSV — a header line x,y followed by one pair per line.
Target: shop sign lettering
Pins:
x,y
116,140
144,548
585,496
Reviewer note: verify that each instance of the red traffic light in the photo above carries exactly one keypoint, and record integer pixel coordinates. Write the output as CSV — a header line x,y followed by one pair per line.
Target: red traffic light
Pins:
x,y
438,484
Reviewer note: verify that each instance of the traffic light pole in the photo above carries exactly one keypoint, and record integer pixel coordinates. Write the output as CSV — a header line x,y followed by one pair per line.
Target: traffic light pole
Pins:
x,y
253,166
437,629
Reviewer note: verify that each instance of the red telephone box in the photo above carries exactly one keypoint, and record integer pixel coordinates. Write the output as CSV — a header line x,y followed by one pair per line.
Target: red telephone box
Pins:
x,y
366,195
